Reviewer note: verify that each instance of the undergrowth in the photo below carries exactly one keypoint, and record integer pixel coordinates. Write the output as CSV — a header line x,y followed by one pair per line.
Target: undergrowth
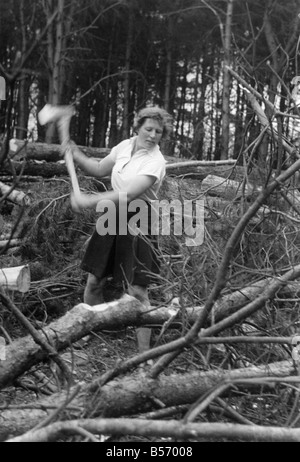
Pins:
x,y
53,239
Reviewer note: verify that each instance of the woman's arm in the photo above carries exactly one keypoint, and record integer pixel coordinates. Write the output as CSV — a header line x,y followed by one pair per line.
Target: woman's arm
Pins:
x,y
138,187
94,167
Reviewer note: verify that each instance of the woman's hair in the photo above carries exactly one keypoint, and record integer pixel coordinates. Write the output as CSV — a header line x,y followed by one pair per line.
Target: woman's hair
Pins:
x,y
156,113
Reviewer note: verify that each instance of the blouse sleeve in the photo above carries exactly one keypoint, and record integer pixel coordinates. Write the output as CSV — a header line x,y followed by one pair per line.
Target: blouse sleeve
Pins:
x,y
154,167
113,154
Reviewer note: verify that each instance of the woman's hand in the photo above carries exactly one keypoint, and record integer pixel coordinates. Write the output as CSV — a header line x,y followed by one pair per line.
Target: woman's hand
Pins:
x,y
76,152
81,201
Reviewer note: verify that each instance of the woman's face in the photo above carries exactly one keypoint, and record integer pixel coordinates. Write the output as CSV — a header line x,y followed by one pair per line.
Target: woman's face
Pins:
x,y
149,134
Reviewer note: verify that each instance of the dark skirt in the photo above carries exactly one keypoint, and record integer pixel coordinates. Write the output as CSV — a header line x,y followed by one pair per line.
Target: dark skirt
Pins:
x,y
128,259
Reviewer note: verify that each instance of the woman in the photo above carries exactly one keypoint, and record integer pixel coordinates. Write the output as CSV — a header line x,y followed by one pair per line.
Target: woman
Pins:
x,y
137,168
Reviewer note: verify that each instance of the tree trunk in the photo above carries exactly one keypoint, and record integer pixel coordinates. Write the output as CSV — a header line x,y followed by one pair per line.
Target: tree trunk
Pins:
x,y
50,152
114,136
228,189
23,353
171,430
199,131
182,115
132,395
102,105
42,85
9,243
20,150
23,108
84,112
13,195
217,119
24,85
129,44
169,56
56,58
226,83
195,169
45,170
239,133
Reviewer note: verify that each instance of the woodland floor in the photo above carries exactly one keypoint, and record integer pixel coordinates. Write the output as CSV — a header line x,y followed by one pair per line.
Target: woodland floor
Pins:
x,y
53,238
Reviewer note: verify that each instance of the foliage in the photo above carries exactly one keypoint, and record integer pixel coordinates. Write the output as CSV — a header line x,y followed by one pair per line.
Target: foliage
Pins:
x,y
171,56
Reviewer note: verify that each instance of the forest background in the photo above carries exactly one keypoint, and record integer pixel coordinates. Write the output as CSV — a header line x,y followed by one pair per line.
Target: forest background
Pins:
x,y
111,58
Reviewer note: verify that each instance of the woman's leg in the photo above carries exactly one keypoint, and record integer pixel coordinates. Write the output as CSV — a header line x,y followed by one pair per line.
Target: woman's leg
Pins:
x,y
93,292
93,295
143,333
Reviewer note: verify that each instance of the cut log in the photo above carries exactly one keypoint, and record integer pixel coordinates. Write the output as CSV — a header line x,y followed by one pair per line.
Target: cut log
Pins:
x,y
200,169
16,278
20,149
228,189
18,197
22,179
43,169
10,243
203,163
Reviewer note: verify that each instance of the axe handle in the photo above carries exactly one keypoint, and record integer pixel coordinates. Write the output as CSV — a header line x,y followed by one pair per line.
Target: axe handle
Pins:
x,y
63,126
64,133
72,172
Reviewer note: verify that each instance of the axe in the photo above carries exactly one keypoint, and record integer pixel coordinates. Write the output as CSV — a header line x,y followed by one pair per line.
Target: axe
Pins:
x,y
62,116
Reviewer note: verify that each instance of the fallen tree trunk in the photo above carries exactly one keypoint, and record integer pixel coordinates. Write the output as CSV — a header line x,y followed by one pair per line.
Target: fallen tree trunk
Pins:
x,y
16,278
51,153
87,318
23,353
227,189
131,395
10,243
50,169
20,149
31,168
159,428
128,396
13,195
47,156
202,169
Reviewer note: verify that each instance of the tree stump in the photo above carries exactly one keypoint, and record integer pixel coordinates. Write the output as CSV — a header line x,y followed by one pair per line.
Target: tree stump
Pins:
x,y
16,278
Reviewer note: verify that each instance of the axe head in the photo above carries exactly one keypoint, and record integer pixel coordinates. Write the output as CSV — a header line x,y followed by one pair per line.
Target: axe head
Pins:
x,y
52,113
62,116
